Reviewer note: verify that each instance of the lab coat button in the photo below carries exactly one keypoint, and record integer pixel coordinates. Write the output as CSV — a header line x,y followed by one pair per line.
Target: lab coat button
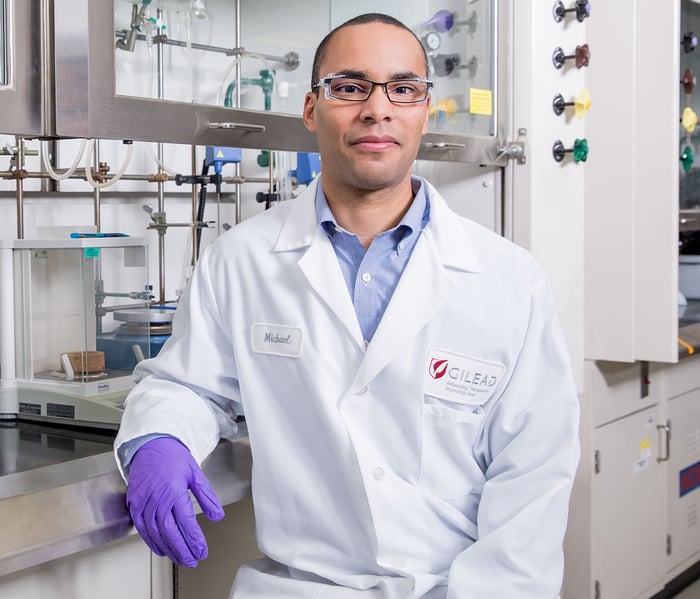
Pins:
x,y
379,474
361,390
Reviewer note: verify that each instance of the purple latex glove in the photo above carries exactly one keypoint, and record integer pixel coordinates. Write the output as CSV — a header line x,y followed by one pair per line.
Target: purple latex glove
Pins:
x,y
160,475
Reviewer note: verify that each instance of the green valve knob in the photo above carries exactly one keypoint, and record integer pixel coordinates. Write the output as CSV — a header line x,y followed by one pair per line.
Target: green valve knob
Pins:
x,y
263,159
580,150
687,158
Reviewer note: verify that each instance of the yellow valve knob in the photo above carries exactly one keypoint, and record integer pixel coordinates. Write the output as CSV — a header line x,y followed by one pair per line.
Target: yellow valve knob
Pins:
x,y
689,119
582,103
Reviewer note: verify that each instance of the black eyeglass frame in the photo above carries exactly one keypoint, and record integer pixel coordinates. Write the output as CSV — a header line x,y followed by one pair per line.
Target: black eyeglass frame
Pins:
x,y
326,81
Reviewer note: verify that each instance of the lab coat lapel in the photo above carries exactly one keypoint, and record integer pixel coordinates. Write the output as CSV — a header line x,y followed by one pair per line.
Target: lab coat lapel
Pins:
x,y
423,288
318,263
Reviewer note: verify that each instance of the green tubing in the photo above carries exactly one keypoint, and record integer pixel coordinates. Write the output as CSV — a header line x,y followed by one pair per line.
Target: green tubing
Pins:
x,y
266,82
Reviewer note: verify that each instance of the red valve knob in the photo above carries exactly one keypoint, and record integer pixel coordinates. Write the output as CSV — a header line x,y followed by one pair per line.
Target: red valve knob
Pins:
x,y
688,81
581,56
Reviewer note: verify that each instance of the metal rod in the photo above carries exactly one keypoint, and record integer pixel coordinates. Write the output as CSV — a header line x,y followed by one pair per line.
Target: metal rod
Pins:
x,y
126,177
161,189
195,245
96,191
237,165
20,187
290,60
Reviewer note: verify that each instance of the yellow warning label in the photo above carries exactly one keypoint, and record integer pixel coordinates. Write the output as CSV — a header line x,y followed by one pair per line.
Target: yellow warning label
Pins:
x,y
481,101
219,154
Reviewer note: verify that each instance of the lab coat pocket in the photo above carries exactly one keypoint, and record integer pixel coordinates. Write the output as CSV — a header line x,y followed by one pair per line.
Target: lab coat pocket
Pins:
x,y
448,467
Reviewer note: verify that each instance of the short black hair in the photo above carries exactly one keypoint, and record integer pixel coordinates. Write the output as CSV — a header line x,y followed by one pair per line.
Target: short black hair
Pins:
x,y
370,17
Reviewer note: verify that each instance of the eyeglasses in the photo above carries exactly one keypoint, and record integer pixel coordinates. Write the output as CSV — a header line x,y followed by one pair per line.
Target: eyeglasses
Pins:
x,y
352,89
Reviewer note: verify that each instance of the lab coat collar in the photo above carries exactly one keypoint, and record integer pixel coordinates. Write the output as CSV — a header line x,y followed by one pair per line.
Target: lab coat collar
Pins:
x,y
447,232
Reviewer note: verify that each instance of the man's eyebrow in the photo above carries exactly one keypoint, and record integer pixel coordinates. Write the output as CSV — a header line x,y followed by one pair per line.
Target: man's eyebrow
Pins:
x,y
357,74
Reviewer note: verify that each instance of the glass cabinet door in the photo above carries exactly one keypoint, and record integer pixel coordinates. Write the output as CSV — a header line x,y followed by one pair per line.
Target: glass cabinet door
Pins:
x,y
218,72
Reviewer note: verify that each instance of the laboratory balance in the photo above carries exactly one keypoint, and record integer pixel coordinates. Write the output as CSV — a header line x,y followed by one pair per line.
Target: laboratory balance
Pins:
x,y
76,316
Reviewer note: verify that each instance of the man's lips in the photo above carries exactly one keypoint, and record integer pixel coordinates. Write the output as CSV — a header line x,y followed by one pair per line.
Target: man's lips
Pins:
x,y
376,143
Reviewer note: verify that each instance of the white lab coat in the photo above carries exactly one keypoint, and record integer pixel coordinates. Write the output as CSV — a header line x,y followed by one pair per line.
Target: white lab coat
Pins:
x,y
377,468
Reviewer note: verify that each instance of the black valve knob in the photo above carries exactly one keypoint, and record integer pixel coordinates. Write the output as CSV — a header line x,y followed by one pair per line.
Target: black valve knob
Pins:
x,y
582,8
689,42
581,56
445,64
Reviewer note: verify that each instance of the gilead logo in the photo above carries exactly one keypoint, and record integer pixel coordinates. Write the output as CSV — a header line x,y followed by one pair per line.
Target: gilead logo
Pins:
x,y
461,378
438,367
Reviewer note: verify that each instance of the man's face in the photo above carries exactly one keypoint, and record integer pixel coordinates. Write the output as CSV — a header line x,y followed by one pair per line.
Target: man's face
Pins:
x,y
368,145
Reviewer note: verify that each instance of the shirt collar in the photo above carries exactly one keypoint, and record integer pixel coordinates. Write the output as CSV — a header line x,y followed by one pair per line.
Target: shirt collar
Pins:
x,y
415,219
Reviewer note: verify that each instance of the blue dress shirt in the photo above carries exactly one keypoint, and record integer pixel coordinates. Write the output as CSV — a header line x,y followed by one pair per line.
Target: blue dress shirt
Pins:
x,y
372,275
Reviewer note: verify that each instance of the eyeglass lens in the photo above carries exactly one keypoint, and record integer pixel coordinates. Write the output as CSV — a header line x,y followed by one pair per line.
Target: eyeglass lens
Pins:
x,y
400,91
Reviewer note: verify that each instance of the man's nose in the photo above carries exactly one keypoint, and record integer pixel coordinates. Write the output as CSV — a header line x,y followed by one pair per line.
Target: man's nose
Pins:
x,y
378,106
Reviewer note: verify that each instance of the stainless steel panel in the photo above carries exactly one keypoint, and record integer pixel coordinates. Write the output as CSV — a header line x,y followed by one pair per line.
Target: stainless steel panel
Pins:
x,y
21,85
55,511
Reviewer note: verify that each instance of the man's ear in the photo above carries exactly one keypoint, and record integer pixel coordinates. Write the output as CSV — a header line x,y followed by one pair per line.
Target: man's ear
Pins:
x,y
309,114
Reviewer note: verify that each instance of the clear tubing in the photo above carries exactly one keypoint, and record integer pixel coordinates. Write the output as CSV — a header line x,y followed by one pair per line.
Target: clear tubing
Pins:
x,y
223,90
47,163
149,147
88,167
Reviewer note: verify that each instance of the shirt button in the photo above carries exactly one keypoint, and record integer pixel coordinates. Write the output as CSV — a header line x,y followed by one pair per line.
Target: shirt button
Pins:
x,y
366,277
362,390
379,474
401,245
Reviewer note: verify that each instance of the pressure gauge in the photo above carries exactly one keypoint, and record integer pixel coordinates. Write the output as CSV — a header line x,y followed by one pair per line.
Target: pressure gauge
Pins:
x,y
431,41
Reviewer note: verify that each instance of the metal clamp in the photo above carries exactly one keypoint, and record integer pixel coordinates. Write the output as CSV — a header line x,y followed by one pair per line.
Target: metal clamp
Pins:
x,y
514,150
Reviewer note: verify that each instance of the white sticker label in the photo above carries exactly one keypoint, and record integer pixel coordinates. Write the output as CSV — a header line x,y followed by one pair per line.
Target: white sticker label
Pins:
x,y
277,340
460,378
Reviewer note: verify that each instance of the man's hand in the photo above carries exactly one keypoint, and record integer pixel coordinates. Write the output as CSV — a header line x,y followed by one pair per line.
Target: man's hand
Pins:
x,y
160,475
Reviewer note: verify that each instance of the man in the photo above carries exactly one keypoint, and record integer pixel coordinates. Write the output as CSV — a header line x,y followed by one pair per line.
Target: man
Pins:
x,y
410,407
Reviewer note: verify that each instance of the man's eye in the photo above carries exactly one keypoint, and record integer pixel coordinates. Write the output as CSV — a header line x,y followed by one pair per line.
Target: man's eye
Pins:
x,y
404,89
348,88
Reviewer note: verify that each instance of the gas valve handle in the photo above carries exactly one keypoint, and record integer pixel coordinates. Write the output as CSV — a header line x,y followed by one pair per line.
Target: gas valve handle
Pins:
x,y
689,42
688,81
579,151
581,56
582,8
581,104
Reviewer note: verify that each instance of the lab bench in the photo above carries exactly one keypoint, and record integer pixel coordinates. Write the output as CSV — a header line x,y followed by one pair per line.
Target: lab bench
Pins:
x,y
63,515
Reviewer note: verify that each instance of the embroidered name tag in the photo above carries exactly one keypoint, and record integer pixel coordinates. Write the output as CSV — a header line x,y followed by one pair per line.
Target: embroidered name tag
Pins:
x,y
460,378
276,339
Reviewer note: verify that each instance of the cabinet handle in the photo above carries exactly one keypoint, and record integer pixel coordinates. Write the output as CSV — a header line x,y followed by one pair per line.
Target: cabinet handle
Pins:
x,y
445,145
666,428
239,126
